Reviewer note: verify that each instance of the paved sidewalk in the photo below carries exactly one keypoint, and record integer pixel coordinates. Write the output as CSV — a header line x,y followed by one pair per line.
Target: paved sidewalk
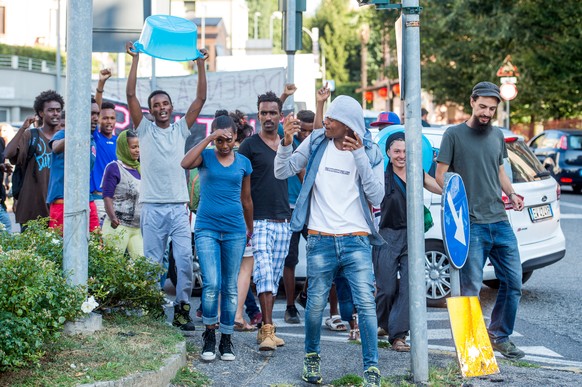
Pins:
x,y
339,358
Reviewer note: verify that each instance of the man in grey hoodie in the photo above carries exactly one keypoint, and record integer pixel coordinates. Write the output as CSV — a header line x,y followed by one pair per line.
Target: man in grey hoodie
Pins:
x,y
343,178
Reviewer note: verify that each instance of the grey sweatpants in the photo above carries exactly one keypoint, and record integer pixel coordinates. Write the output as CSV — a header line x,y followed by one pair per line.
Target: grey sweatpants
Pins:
x,y
160,221
392,293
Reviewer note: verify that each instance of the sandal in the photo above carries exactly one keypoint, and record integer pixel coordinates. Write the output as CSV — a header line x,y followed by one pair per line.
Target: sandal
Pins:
x,y
244,327
335,323
354,335
399,345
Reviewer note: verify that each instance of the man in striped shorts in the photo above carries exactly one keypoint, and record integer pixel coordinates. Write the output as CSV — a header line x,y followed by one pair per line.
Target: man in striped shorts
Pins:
x,y
271,214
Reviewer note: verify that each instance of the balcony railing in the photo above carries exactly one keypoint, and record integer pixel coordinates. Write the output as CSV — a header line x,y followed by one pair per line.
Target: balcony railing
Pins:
x,y
29,64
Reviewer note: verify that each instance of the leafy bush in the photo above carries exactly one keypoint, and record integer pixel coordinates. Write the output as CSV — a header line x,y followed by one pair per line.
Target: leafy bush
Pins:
x,y
115,279
120,281
35,302
30,52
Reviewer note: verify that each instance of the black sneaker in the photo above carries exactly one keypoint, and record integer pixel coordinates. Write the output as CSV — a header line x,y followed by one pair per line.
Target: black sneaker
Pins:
x,y
225,348
301,299
209,347
182,317
508,349
372,377
312,369
292,315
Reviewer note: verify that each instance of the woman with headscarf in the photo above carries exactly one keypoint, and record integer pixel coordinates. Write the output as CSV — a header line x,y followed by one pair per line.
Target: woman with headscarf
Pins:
x,y
121,186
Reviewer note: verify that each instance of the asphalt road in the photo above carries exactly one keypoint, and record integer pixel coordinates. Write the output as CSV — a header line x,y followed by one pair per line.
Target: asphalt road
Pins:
x,y
549,313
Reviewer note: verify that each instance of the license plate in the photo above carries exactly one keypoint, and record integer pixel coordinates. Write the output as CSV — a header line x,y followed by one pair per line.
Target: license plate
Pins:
x,y
540,212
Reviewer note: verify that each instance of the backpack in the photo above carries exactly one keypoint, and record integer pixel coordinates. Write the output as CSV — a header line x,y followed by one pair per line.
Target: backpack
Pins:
x,y
20,170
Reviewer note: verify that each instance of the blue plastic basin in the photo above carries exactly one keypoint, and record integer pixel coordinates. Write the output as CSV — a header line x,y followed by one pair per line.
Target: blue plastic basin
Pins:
x,y
169,37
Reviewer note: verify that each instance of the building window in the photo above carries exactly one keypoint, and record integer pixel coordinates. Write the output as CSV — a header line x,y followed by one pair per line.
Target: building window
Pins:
x,y
190,5
2,19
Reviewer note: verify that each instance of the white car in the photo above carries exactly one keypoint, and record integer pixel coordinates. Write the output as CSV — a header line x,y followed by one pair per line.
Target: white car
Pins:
x,y
537,227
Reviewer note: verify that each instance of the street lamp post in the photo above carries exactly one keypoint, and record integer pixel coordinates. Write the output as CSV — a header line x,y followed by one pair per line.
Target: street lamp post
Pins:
x,y
314,35
274,15
256,34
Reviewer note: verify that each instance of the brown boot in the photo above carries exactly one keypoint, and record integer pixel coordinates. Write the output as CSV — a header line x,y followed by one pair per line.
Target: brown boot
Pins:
x,y
261,337
266,335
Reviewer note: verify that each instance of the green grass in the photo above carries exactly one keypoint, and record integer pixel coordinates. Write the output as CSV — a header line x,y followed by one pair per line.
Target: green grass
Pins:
x,y
449,376
520,363
190,377
125,345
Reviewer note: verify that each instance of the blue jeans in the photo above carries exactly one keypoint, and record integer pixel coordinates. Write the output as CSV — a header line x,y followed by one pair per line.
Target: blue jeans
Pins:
x,y
220,255
5,219
498,242
352,255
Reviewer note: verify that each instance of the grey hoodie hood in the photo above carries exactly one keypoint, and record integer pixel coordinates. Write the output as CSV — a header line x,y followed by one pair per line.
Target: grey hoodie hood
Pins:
x,y
348,111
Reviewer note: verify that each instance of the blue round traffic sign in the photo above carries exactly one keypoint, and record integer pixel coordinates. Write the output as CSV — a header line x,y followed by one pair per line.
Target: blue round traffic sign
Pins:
x,y
455,219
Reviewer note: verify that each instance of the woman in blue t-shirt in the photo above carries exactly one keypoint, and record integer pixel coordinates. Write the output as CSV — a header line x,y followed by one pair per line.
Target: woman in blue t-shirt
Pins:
x,y
224,224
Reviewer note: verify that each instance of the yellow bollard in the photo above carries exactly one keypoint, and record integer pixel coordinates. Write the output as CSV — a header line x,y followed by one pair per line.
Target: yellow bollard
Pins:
x,y
474,351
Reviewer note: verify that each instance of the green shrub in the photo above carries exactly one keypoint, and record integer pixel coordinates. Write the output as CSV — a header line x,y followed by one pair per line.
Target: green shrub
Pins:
x,y
31,52
120,281
35,302
115,279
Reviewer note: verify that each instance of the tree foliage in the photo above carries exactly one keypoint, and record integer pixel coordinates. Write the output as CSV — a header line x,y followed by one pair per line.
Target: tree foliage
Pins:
x,y
465,41
266,8
338,37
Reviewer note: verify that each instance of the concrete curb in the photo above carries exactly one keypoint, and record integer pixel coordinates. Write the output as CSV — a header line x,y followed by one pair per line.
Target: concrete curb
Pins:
x,y
161,377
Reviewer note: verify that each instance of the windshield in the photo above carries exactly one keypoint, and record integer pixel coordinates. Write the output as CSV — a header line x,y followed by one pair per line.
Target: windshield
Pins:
x,y
575,142
524,165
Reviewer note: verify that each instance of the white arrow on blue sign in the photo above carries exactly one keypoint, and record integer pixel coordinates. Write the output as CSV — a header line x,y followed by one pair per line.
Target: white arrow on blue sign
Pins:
x,y
455,219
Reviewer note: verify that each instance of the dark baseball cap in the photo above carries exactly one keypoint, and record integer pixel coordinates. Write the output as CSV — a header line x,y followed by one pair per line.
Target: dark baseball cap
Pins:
x,y
486,89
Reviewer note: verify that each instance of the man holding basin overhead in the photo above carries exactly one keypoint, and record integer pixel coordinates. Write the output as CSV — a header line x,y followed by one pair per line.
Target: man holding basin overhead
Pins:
x,y
163,184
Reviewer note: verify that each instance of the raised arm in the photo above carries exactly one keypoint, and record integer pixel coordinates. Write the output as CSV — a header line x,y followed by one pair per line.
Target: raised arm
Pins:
x,y
12,147
192,159
132,101
196,107
320,97
104,75
289,90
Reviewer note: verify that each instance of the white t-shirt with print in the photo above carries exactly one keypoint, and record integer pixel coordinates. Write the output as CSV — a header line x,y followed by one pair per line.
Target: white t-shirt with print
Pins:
x,y
335,203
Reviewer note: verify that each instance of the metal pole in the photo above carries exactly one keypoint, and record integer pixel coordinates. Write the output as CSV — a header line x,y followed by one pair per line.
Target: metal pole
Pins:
x,y
58,65
291,79
508,116
203,40
291,42
76,217
256,20
414,186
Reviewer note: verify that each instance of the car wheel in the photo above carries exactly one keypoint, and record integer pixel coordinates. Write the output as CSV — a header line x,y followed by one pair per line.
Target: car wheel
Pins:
x,y
437,272
196,273
577,188
494,284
